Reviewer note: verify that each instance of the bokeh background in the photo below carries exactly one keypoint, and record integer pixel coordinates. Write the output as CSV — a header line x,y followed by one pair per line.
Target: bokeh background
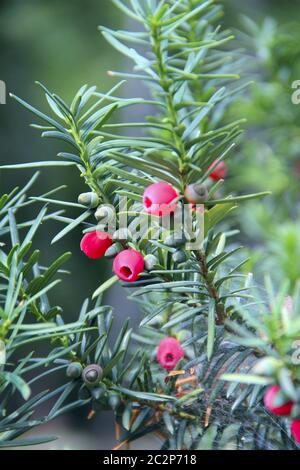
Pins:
x,y
57,43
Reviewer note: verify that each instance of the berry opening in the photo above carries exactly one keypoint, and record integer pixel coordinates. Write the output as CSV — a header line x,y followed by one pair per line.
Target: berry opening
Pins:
x,y
147,202
169,357
126,271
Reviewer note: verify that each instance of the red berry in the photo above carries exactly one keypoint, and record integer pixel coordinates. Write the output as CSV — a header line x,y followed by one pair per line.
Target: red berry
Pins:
x,y
158,197
219,172
281,410
295,430
128,264
95,244
169,352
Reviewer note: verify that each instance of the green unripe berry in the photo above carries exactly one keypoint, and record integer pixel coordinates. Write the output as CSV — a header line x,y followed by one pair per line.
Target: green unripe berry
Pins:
x,y
123,234
267,366
74,370
179,256
196,193
89,199
180,129
150,262
106,212
174,240
92,375
113,250
98,392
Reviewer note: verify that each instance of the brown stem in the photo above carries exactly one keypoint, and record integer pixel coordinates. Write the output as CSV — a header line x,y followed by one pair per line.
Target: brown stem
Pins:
x,y
165,83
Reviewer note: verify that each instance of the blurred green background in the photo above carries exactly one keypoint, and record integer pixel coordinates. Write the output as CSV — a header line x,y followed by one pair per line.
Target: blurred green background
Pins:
x,y
57,43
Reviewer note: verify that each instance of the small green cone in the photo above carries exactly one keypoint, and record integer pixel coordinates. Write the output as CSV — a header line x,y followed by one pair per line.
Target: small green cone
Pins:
x,y
196,193
175,240
92,375
113,250
179,256
89,199
98,392
267,366
150,262
74,370
123,234
105,211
